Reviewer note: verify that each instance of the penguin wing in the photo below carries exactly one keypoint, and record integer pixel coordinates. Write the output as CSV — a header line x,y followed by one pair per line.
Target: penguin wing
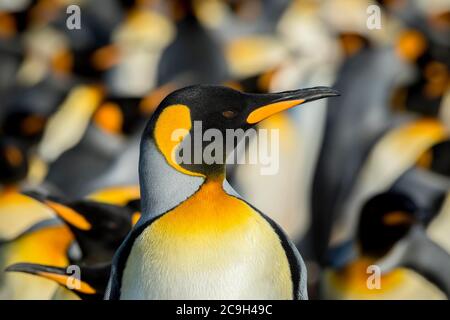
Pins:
x,y
120,259
296,263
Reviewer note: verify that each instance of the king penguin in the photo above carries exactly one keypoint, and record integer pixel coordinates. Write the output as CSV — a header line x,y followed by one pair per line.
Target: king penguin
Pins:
x,y
197,238
395,257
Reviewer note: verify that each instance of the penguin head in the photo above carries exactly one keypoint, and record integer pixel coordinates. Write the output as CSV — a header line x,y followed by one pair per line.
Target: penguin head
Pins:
x,y
99,228
385,219
87,282
204,112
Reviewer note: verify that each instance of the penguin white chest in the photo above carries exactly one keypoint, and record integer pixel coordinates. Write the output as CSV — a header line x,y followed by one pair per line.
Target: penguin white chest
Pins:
x,y
208,250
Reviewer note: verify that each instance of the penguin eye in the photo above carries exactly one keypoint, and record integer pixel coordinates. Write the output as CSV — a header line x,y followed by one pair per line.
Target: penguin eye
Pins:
x,y
229,114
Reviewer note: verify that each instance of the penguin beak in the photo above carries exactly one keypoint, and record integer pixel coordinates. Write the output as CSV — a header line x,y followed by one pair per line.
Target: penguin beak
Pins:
x,y
267,105
67,214
418,252
56,274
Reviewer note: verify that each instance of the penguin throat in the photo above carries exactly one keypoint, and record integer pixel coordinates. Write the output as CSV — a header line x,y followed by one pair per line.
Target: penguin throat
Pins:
x,y
216,177
162,186
164,183
211,172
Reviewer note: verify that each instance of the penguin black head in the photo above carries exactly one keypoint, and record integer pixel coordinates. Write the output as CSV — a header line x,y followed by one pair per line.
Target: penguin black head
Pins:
x,y
104,223
99,228
196,109
385,219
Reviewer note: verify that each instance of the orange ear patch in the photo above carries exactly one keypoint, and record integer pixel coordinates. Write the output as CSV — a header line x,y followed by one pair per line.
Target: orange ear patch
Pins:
x,y
411,45
7,25
13,156
106,57
173,118
438,79
62,62
396,218
32,125
70,215
109,117
351,43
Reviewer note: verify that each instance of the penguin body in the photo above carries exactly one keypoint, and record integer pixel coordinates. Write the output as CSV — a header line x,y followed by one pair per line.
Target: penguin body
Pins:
x,y
350,283
230,241
393,248
197,238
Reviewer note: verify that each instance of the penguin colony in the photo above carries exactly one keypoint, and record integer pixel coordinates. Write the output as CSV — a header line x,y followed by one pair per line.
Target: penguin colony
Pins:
x,y
95,205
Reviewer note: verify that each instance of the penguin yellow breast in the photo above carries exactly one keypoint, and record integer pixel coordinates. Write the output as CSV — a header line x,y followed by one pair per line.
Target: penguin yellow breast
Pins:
x,y
400,284
45,246
212,246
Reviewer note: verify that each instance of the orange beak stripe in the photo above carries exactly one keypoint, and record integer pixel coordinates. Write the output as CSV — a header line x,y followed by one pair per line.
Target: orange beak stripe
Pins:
x,y
270,109
64,280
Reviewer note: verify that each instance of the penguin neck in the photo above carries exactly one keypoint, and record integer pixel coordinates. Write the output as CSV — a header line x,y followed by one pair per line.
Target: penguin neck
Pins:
x,y
217,179
163,187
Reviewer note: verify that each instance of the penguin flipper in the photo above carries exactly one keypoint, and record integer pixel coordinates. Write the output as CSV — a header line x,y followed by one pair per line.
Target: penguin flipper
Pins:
x,y
90,283
112,291
296,263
